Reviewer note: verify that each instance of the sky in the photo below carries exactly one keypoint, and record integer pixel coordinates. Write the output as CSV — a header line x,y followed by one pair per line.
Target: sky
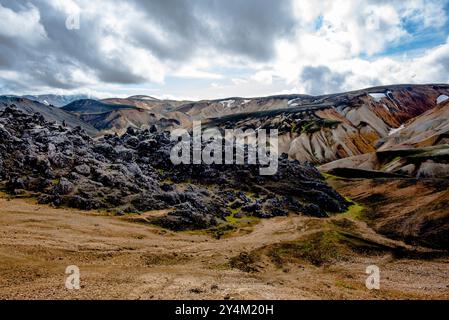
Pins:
x,y
211,49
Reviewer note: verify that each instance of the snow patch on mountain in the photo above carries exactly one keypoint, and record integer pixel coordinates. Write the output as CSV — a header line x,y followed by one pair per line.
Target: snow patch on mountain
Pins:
x,y
291,103
442,98
396,130
227,103
377,96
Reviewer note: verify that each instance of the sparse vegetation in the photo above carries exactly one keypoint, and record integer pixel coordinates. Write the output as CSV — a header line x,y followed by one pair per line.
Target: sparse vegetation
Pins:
x,y
355,211
245,262
319,248
312,126
293,128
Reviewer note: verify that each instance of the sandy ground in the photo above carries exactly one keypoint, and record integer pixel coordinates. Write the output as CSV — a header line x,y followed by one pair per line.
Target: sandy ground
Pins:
x,y
120,259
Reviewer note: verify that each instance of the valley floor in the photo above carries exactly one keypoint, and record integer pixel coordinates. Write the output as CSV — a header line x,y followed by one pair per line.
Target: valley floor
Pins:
x,y
122,259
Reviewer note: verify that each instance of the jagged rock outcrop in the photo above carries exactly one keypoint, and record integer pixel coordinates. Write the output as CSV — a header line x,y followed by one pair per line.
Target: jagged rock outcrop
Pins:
x,y
133,173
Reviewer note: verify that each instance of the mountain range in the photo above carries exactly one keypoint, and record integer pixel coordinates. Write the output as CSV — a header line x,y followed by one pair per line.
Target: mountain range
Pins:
x,y
363,127
55,99
388,132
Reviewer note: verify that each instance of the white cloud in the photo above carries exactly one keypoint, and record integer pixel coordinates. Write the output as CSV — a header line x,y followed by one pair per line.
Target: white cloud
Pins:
x,y
191,72
69,7
334,45
343,47
238,81
425,13
23,25
264,76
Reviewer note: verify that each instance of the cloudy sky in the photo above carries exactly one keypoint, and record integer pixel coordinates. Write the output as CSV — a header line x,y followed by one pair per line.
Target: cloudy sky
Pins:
x,y
201,49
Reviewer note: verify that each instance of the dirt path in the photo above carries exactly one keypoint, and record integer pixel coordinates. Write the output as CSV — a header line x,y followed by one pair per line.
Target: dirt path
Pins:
x,y
123,259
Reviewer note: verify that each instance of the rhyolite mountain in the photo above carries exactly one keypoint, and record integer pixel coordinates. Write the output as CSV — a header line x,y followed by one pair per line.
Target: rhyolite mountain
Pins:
x,y
118,121
147,103
318,129
418,148
327,128
115,115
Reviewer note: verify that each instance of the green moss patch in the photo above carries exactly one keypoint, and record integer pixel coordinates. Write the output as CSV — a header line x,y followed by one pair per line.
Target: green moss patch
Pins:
x,y
335,243
319,248
355,211
316,125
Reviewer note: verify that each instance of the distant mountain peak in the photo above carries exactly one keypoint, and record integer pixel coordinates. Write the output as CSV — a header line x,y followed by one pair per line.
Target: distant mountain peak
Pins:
x,y
57,100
